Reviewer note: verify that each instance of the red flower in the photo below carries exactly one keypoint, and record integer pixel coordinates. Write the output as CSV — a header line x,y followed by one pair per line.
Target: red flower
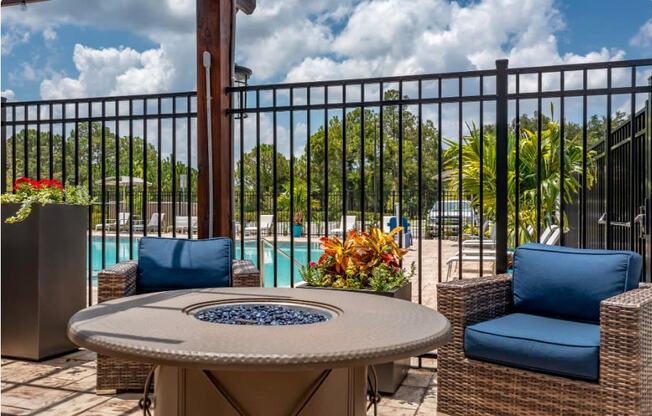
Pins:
x,y
50,183
313,264
24,181
42,184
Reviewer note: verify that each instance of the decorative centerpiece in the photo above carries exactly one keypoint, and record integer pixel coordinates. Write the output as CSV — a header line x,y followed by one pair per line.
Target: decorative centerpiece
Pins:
x,y
262,314
363,261
43,266
369,262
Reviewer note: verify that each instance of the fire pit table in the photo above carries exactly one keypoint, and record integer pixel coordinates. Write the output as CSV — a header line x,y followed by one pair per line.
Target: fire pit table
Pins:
x,y
257,351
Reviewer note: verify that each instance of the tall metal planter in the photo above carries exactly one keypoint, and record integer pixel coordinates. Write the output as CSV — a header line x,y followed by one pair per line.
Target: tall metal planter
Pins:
x,y
392,374
43,279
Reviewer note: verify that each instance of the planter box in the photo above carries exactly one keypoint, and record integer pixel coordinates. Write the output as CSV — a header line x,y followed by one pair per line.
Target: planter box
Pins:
x,y
43,279
390,375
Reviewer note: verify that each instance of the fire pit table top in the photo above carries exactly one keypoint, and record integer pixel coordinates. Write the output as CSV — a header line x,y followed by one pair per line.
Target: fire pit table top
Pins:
x,y
162,328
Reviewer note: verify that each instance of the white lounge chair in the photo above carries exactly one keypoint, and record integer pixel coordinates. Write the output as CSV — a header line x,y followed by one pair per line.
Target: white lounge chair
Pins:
x,y
487,243
350,224
181,224
266,222
122,222
550,236
385,226
153,223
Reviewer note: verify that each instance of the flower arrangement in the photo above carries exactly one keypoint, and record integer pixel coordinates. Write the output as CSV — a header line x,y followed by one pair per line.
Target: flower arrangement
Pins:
x,y
28,192
364,260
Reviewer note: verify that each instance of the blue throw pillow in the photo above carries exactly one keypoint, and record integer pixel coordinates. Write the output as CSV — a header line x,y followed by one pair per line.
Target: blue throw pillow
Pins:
x,y
168,264
570,283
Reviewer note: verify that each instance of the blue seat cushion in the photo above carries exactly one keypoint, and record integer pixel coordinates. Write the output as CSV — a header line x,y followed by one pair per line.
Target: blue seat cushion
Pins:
x,y
537,343
169,263
570,283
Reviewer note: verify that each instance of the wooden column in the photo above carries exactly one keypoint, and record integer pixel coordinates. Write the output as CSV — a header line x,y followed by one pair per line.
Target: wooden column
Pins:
x,y
214,20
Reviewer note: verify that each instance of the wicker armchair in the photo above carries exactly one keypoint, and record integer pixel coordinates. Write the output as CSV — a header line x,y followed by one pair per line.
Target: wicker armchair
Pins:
x,y
471,387
114,374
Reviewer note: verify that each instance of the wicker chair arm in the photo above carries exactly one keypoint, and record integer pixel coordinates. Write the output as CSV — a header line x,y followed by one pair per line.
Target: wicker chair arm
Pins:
x,y
245,274
468,301
626,345
117,281
476,300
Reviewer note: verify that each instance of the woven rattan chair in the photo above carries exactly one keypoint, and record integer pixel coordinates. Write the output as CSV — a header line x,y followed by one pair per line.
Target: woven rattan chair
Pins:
x,y
470,387
114,374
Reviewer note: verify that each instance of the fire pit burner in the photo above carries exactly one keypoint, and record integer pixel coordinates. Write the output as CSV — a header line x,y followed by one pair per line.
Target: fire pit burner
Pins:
x,y
262,314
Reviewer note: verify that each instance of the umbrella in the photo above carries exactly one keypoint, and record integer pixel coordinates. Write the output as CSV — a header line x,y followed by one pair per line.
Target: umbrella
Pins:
x,y
123,182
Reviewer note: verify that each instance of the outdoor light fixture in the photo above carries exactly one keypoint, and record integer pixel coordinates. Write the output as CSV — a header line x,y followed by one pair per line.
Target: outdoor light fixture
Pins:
x,y
241,77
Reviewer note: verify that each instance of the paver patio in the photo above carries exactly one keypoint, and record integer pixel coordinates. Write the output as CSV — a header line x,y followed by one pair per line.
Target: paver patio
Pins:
x,y
66,386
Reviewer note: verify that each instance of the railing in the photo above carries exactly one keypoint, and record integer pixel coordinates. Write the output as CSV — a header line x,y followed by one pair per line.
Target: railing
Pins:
x,y
74,140
427,135
431,147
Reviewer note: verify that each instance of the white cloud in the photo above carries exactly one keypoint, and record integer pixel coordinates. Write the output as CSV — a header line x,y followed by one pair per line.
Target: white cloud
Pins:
x,y
169,24
11,38
112,71
393,37
49,34
301,40
643,37
28,73
8,94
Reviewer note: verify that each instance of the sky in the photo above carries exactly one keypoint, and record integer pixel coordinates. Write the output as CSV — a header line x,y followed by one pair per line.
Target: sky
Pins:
x,y
82,48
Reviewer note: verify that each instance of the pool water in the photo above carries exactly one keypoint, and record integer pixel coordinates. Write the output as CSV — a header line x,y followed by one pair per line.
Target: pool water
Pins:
x,y
250,253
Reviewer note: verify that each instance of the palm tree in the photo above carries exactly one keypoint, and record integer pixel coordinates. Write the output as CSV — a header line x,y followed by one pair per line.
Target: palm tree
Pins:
x,y
549,178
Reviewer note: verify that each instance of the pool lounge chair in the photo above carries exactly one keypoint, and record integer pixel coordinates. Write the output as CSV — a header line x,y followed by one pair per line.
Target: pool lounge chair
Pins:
x,y
386,219
350,224
181,224
266,222
153,223
123,222
487,243
550,237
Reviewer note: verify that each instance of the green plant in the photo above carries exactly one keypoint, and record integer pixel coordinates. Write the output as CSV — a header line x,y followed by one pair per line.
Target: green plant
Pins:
x,y
548,176
28,192
364,260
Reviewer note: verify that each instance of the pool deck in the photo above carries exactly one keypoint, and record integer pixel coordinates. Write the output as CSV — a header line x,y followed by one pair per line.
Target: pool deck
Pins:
x,y
66,386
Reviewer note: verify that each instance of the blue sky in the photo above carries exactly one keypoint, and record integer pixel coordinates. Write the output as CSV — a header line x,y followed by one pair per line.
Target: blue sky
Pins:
x,y
72,48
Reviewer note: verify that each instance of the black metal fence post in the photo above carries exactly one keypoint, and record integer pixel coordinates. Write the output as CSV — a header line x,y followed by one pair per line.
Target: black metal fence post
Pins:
x,y
648,187
3,179
501,165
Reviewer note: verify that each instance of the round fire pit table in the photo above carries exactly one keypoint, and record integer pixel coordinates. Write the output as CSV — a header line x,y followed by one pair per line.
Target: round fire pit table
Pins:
x,y
257,351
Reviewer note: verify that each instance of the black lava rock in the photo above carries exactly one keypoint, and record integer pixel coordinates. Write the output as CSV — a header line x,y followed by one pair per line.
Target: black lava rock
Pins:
x,y
256,314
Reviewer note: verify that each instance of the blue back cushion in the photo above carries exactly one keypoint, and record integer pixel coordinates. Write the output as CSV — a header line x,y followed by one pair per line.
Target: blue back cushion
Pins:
x,y
168,264
570,283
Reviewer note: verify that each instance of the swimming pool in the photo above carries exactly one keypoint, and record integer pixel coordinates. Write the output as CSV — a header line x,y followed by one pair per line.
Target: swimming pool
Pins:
x,y
250,253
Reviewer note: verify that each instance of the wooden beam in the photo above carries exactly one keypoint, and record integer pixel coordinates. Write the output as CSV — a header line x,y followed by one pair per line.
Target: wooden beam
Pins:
x,y
6,3
214,20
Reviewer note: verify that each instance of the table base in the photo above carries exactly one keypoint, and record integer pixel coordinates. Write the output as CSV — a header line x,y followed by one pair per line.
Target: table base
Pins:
x,y
195,392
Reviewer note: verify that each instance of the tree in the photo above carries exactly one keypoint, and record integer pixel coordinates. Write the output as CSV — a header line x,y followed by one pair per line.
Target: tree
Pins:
x,y
549,178
80,161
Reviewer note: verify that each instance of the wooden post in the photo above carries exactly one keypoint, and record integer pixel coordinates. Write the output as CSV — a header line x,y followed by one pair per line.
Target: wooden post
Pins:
x,y
214,34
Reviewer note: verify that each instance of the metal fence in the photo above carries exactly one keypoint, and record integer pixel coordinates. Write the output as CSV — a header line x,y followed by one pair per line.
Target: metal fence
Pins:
x,y
464,112
116,147
436,149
